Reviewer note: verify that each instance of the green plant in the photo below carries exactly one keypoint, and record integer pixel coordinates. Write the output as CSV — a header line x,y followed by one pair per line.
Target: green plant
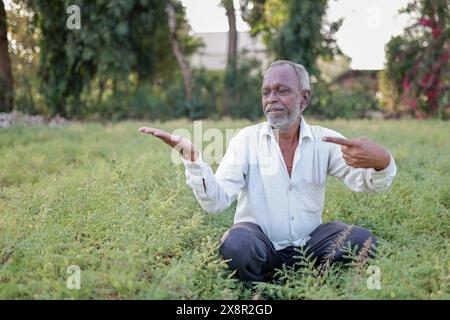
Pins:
x,y
109,200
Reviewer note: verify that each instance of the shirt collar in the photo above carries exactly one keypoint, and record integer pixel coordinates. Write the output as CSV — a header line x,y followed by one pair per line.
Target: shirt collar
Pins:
x,y
305,130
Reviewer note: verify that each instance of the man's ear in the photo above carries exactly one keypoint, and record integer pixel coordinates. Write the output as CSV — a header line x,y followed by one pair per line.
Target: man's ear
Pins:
x,y
306,98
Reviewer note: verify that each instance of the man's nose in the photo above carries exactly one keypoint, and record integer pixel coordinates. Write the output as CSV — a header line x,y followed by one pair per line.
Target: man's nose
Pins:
x,y
272,97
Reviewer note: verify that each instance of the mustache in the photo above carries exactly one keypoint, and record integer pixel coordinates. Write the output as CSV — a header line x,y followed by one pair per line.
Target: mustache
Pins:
x,y
276,107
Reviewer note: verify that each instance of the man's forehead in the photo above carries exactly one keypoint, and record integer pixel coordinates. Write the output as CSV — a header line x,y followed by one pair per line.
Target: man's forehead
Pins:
x,y
280,74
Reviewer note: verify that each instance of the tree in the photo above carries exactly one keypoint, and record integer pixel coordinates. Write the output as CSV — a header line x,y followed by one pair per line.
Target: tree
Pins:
x,y
417,64
230,72
181,57
24,56
6,79
293,30
119,45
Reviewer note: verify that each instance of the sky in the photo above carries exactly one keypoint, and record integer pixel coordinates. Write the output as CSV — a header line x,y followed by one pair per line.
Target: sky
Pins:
x,y
367,27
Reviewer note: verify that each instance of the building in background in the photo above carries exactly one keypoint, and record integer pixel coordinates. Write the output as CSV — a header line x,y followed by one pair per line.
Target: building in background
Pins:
x,y
351,79
213,56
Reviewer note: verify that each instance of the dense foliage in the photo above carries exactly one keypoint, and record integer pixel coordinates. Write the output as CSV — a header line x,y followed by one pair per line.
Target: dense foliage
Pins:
x,y
418,60
119,45
120,64
294,30
352,103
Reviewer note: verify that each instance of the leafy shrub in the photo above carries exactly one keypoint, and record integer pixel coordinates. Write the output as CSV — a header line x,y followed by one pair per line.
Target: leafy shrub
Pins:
x,y
245,85
341,103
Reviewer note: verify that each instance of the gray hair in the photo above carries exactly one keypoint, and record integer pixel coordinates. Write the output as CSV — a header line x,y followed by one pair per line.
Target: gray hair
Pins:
x,y
300,71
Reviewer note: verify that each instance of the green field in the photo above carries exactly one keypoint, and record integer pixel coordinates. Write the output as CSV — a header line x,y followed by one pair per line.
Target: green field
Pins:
x,y
109,200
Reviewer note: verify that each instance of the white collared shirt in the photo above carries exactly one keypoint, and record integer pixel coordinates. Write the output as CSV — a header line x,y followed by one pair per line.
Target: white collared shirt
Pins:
x,y
286,208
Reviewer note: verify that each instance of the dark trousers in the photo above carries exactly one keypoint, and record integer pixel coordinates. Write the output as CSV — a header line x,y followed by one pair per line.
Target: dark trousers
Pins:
x,y
253,256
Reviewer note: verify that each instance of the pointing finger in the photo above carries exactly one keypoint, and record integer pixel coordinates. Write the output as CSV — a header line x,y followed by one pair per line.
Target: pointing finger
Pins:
x,y
341,141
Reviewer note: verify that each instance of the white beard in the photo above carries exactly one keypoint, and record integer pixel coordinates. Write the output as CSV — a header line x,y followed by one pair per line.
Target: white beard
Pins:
x,y
283,120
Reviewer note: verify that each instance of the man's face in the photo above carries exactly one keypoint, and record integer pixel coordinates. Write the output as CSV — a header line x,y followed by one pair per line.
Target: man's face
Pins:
x,y
282,100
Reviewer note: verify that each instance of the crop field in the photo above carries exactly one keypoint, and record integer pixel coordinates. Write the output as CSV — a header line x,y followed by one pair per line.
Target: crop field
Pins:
x,y
107,203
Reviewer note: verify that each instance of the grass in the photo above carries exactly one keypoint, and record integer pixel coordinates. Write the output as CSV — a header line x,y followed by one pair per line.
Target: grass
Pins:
x,y
109,200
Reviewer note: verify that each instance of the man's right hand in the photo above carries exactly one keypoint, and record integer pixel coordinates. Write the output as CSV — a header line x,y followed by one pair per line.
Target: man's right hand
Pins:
x,y
179,143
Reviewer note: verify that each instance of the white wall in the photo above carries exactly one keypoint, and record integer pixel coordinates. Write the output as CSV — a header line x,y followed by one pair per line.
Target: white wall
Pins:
x,y
213,55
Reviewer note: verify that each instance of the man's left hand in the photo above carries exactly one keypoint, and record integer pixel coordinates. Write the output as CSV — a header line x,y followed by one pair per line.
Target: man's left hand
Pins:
x,y
362,152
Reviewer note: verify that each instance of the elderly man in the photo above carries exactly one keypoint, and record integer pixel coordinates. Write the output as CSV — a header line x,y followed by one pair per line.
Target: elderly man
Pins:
x,y
277,170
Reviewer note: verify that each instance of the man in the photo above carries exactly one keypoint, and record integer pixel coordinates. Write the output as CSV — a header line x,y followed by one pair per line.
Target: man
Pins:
x,y
277,171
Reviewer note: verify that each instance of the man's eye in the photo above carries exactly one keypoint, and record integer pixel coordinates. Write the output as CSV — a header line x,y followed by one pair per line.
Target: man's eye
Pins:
x,y
266,93
283,91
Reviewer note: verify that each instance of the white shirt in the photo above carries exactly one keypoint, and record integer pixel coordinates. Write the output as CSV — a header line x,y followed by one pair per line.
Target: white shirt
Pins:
x,y
286,208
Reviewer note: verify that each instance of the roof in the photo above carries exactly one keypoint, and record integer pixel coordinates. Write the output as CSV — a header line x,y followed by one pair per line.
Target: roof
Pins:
x,y
356,74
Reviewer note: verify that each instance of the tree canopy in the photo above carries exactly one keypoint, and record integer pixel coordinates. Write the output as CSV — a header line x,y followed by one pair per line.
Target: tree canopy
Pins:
x,y
294,30
116,39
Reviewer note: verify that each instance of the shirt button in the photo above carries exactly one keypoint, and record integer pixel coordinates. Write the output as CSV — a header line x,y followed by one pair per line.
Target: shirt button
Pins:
x,y
292,218
290,187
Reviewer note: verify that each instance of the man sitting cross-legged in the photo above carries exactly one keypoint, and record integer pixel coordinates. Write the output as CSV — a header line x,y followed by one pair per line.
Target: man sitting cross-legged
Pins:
x,y
276,170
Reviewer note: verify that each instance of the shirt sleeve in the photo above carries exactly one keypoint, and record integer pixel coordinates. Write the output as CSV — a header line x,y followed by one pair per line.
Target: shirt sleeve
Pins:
x,y
360,179
216,192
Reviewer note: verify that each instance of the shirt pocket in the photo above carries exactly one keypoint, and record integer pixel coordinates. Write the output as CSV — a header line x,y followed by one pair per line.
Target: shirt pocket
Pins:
x,y
312,197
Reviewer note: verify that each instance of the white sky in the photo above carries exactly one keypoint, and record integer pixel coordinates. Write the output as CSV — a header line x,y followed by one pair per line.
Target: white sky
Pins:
x,y
368,25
